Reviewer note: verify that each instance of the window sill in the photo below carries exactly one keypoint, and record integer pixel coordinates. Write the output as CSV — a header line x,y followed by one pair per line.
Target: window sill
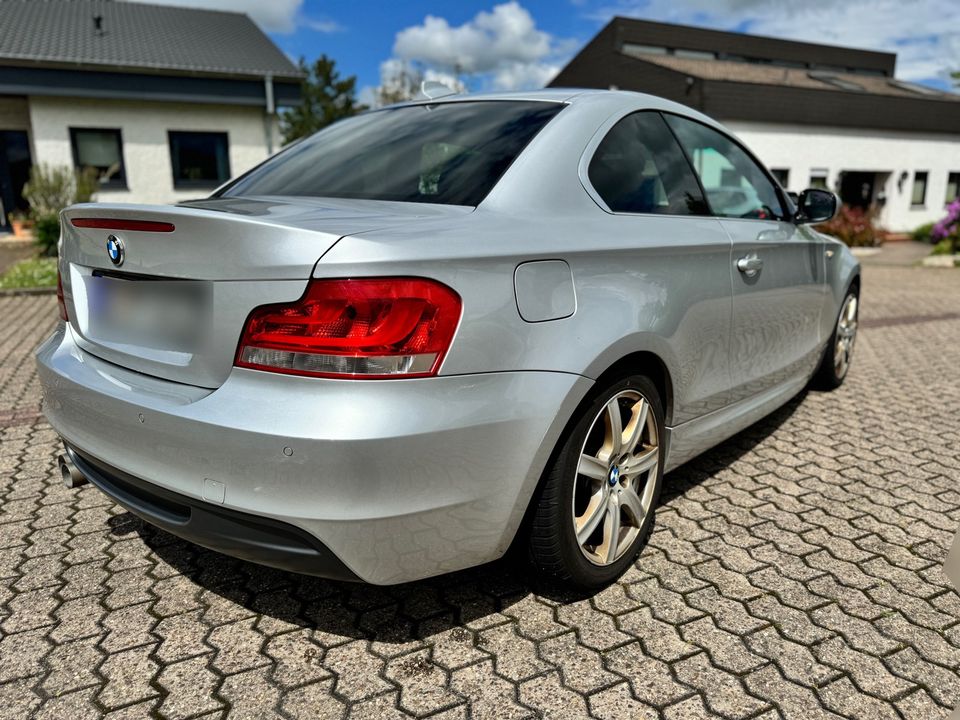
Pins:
x,y
918,207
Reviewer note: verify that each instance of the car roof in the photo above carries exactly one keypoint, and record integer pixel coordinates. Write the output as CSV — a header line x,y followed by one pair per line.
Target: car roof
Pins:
x,y
625,99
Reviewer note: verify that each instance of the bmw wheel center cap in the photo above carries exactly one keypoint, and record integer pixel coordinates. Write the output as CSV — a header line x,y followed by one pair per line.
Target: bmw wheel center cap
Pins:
x,y
614,477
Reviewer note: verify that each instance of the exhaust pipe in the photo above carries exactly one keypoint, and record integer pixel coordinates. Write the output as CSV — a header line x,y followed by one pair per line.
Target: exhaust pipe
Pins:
x,y
72,477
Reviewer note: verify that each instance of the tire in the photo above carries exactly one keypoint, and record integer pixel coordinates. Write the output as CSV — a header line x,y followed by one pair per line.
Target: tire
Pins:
x,y
570,500
839,352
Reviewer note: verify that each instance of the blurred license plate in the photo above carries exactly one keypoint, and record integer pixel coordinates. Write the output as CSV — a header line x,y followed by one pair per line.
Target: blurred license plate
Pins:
x,y
162,314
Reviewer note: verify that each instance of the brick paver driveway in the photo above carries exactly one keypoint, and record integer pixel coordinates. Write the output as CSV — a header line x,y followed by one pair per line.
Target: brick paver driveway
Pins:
x,y
795,572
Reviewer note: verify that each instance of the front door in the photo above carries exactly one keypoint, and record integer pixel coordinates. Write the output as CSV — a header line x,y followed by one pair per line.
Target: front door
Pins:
x,y
856,189
14,173
777,267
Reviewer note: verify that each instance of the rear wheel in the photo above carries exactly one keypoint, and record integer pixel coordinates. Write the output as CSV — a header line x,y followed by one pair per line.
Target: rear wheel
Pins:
x,y
595,510
839,353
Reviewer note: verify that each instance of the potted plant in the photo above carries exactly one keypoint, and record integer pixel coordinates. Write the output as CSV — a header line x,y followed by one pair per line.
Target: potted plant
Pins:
x,y
18,221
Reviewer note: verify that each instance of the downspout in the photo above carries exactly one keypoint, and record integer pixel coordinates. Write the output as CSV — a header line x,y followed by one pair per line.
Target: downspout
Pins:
x,y
271,111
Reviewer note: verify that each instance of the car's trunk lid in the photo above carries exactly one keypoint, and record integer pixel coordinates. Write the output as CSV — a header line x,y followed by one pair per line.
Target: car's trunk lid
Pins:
x,y
174,307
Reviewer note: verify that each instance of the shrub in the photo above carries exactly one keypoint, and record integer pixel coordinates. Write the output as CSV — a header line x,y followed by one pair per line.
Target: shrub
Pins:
x,y
923,234
855,227
946,233
46,232
49,190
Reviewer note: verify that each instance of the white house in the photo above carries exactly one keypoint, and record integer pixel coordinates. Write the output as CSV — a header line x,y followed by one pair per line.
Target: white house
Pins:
x,y
816,115
165,102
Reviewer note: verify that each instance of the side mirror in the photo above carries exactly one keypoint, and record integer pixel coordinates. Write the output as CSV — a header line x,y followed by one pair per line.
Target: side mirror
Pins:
x,y
816,206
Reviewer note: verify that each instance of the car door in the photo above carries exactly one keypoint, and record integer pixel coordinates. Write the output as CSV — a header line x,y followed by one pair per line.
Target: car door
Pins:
x,y
676,258
777,267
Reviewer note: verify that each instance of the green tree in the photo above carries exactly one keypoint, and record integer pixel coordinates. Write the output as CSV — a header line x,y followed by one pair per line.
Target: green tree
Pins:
x,y
326,98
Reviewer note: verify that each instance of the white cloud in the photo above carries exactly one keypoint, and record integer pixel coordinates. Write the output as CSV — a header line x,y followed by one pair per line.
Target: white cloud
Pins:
x,y
922,32
503,48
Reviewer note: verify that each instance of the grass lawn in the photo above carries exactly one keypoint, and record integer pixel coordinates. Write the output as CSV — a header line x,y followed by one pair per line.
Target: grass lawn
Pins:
x,y
31,273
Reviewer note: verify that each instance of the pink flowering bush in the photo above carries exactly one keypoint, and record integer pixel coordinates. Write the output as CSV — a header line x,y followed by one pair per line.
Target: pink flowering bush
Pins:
x,y
855,227
946,233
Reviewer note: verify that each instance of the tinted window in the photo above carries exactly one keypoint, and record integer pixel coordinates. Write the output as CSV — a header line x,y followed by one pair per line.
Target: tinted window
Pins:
x,y
639,168
199,158
735,185
451,153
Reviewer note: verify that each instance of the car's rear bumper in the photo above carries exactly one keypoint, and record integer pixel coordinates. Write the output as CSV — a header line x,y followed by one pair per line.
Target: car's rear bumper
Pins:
x,y
243,535
397,479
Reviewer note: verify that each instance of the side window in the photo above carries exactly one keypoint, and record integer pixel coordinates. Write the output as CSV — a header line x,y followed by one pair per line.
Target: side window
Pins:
x,y
639,168
735,185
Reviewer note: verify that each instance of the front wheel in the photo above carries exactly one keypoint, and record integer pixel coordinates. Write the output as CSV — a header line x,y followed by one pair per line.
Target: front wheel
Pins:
x,y
839,353
595,509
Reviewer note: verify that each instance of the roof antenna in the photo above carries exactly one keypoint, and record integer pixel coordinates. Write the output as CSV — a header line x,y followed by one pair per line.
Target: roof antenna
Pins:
x,y
434,89
98,24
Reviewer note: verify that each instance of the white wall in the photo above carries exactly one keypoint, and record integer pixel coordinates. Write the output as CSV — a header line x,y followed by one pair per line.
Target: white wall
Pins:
x,y
804,148
146,151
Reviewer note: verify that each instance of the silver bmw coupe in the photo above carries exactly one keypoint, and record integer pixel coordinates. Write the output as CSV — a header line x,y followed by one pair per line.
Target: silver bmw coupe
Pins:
x,y
436,330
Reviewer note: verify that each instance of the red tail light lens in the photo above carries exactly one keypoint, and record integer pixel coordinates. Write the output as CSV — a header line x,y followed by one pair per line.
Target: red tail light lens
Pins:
x,y
363,328
121,224
61,303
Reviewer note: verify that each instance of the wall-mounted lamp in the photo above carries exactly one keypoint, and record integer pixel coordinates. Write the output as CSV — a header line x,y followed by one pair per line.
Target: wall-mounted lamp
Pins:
x,y
901,180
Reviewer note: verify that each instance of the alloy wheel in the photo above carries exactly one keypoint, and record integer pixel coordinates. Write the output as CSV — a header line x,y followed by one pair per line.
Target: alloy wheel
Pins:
x,y
846,336
616,477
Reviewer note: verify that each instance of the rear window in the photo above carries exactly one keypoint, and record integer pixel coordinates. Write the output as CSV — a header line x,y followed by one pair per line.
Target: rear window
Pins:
x,y
449,153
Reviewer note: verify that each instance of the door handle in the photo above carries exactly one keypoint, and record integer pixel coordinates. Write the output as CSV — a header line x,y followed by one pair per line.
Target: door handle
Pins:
x,y
750,265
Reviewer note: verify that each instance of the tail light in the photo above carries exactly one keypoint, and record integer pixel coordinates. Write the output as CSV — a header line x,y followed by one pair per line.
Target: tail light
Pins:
x,y
60,301
361,328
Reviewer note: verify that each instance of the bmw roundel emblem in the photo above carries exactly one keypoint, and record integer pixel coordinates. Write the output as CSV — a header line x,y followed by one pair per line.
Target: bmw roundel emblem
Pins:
x,y
115,249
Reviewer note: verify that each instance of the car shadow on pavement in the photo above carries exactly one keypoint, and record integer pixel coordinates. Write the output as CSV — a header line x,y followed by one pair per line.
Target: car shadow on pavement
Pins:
x,y
405,613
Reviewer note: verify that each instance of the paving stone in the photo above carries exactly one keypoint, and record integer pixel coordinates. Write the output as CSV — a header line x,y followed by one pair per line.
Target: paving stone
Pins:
x,y
581,668
649,678
189,685
794,702
660,639
794,660
423,685
843,697
548,697
618,702
865,670
723,691
726,650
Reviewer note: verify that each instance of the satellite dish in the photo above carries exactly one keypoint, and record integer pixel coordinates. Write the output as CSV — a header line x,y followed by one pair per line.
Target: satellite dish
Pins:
x,y
433,89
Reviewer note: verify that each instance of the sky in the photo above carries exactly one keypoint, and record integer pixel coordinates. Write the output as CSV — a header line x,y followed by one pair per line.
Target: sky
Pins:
x,y
521,44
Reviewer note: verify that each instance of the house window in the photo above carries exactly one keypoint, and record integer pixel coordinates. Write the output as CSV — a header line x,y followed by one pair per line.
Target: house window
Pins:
x,y
782,175
199,159
919,196
818,179
953,187
102,150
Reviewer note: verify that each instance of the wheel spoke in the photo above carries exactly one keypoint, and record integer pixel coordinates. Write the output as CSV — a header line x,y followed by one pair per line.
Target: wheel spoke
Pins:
x,y
634,430
611,532
851,314
592,516
641,462
613,425
633,505
593,467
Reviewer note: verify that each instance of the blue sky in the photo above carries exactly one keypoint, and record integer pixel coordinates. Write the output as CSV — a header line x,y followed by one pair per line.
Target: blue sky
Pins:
x,y
521,43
